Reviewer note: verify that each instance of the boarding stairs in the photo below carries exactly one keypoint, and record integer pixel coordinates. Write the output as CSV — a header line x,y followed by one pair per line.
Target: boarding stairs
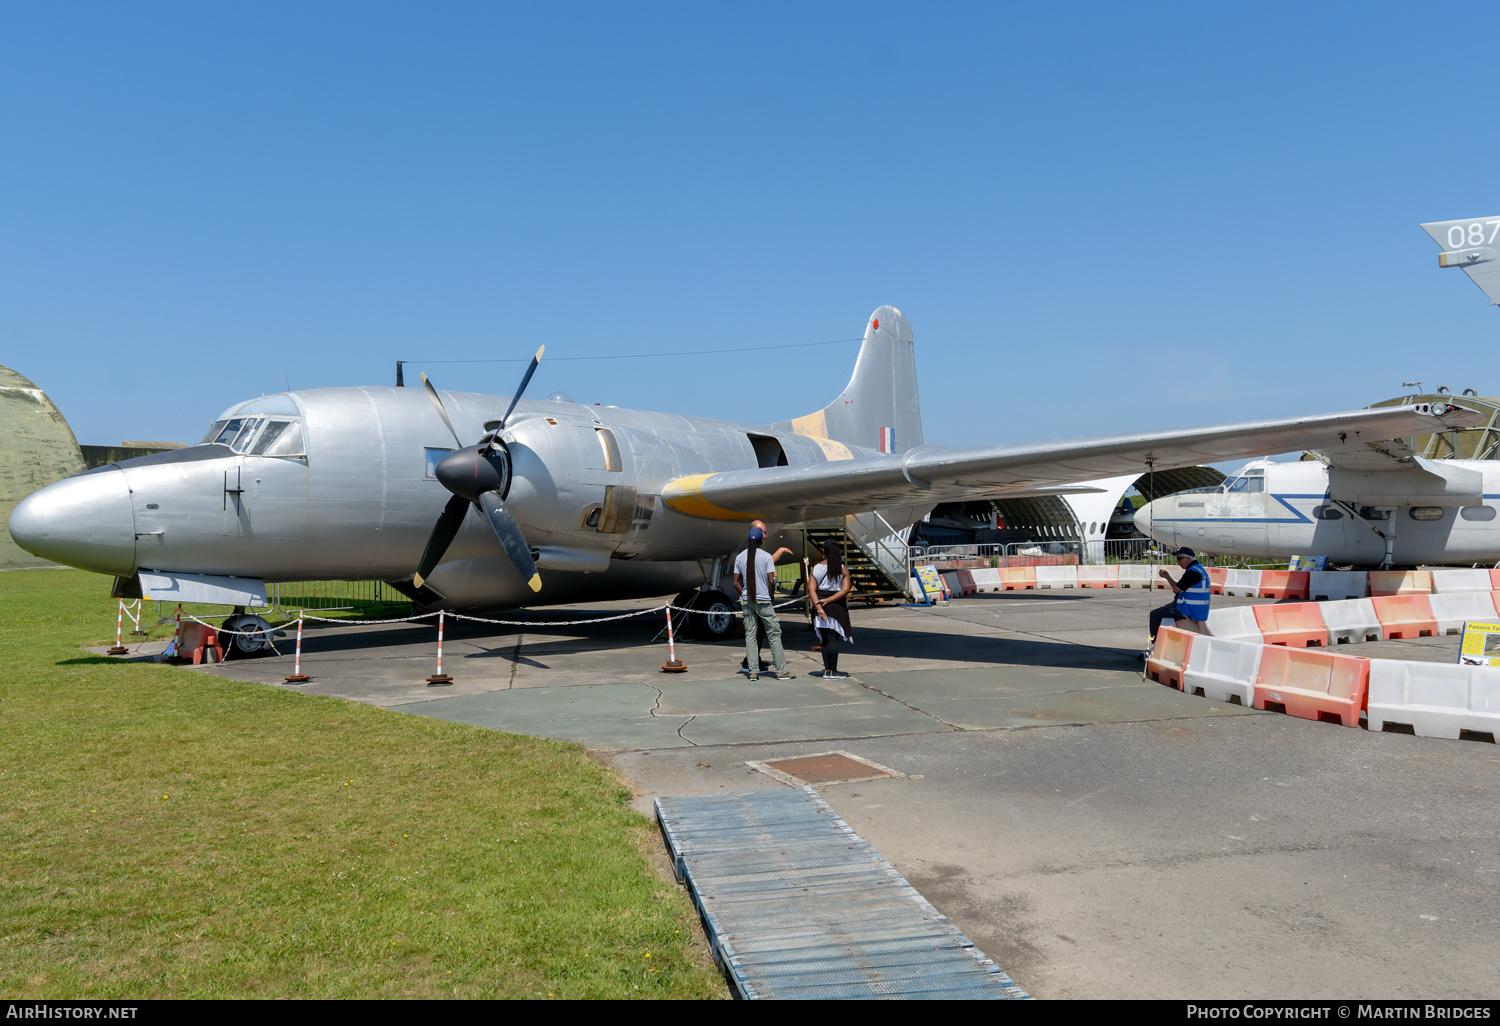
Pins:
x,y
874,552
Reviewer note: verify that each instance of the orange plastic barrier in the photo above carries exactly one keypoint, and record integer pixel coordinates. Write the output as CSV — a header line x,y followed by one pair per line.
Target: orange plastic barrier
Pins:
x,y
1017,578
1400,582
1495,580
1312,684
1284,584
1295,624
1169,656
1099,576
1405,616
1217,575
966,583
196,640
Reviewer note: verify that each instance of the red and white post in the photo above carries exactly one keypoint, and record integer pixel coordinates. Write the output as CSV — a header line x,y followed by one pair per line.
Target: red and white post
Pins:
x,y
673,664
119,648
298,677
439,679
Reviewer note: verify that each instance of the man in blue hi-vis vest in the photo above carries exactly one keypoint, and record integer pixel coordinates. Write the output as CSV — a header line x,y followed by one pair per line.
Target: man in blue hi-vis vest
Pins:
x,y
1191,601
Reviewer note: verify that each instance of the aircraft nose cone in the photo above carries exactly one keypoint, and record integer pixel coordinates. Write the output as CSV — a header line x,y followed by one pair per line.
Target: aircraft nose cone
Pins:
x,y
1143,519
83,521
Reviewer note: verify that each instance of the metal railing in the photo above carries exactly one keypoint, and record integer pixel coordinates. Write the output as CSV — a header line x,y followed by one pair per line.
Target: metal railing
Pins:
x,y
287,598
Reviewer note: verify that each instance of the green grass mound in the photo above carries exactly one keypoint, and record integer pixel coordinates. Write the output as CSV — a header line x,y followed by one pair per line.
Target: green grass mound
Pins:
x,y
167,833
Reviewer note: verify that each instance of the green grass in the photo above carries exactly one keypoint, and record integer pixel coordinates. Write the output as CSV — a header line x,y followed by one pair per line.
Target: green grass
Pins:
x,y
170,834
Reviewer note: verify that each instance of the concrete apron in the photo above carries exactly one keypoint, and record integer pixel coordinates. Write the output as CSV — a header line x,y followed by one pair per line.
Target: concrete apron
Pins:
x,y
1134,842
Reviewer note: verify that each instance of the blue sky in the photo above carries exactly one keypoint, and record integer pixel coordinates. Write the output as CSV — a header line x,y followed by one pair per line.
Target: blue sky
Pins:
x,y
1098,218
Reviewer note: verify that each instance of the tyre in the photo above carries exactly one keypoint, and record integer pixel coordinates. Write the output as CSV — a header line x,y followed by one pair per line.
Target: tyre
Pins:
x,y
713,617
243,646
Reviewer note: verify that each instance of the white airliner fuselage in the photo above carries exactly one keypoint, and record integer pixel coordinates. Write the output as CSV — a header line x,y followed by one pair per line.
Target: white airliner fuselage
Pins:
x,y
1278,510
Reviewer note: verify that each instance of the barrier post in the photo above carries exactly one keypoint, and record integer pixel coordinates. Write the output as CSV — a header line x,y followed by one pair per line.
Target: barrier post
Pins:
x,y
139,632
119,649
673,664
297,676
439,679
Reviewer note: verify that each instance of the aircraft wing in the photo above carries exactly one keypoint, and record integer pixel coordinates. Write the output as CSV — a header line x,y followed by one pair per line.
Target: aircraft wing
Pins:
x,y
1471,244
930,474
1393,454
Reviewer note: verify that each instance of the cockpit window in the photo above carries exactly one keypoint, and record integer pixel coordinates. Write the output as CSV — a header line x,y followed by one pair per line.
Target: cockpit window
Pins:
x,y
258,436
1249,481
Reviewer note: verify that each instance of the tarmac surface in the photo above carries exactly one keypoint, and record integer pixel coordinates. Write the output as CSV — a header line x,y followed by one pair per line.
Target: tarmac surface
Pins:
x,y
1096,834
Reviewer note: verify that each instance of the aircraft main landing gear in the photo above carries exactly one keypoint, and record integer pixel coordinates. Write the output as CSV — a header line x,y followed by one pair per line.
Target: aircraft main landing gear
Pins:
x,y
712,617
243,646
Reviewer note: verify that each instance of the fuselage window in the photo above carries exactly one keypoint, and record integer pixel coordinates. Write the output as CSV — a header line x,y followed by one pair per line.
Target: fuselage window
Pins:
x,y
1478,512
1427,512
1246,484
434,457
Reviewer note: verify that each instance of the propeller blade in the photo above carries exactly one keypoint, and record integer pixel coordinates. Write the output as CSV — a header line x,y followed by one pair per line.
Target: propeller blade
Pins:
x,y
443,533
509,532
525,380
432,394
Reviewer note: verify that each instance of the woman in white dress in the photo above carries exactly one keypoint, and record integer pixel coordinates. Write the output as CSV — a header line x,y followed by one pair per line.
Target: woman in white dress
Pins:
x,y
831,584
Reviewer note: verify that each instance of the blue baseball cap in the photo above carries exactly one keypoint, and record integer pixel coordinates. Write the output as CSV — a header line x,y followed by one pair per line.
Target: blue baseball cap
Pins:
x,y
756,534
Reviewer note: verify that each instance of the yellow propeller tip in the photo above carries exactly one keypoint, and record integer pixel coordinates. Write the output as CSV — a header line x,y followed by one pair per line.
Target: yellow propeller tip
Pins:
x,y
416,579
535,582
539,351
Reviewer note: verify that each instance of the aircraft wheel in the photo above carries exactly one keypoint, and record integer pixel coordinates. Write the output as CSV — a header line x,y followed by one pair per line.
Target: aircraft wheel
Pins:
x,y
240,646
713,618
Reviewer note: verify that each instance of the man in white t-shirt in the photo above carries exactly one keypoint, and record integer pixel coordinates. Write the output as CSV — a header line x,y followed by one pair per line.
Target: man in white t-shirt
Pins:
x,y
755,577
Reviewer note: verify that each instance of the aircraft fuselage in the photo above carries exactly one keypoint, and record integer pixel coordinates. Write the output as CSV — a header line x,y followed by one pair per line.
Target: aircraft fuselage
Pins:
x,y
356,499
1278,510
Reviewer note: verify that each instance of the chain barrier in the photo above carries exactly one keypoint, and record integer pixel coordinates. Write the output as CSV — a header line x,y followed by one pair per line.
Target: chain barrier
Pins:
x,y
475,619
438,679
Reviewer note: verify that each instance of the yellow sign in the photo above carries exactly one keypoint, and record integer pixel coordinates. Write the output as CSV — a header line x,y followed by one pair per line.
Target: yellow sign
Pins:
x,y
932,584
1480,645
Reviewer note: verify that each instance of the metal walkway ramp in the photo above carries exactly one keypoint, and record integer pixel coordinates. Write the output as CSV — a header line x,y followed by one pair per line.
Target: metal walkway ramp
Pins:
x,y
797,905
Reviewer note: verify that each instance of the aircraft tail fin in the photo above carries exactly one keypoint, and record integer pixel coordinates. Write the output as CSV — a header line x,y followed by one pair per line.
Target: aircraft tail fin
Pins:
x,y
879,408
1474,245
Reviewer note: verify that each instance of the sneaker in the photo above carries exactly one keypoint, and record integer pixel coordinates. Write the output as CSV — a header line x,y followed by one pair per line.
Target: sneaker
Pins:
x,y
785,676
752,675
834,676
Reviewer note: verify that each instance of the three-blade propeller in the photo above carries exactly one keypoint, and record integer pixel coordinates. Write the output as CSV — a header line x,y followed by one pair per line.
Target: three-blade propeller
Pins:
x,y
479,475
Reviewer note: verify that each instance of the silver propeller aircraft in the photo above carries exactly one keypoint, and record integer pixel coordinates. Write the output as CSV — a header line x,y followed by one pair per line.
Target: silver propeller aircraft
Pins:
x,y
575,502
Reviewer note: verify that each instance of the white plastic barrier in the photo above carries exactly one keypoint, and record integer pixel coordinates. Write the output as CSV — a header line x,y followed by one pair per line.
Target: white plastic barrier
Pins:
x,y
1332,585
1242,582
1434,699
1454,609
1221,668
1351,621
1136,576
1450,581
1236,623
986,578
1056,577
